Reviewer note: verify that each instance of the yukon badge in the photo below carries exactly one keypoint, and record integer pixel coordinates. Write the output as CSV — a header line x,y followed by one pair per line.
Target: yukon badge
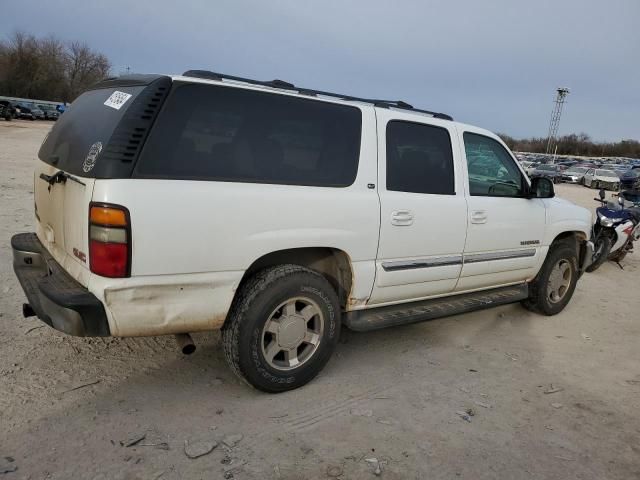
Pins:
x,y
92,156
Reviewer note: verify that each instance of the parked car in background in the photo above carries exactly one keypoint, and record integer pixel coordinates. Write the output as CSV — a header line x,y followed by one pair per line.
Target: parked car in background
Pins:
x,y
8,111
35,111
630,180
631,196
23,112
532,166
621,169
552,172
50,112
574,174
525,163
601,178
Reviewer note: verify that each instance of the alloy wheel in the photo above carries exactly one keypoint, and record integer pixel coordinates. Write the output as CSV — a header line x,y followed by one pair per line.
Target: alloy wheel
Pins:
x,y
292,333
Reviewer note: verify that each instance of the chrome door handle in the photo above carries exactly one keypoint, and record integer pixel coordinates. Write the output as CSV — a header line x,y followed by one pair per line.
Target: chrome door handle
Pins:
x,y
402,218
479,216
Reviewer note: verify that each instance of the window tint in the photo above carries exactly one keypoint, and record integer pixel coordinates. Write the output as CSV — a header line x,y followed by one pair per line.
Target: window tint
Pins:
x,y
87,123
230,134
419,159
492,171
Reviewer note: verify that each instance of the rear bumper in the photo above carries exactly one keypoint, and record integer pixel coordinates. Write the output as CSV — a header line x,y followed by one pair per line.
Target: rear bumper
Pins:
x,y
570,179
57,298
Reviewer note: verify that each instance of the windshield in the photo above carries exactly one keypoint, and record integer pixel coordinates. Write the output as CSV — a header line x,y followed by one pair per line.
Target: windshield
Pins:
x,y
606,173
549,168
577,170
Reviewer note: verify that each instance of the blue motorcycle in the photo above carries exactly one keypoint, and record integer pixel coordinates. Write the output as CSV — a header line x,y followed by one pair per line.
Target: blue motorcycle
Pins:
x,y
617,226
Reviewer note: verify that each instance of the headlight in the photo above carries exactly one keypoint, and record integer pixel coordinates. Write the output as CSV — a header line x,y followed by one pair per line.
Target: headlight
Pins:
x,y
606,221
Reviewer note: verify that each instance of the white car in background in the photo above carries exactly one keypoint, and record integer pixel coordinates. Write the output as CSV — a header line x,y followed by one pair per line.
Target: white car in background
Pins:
x,y
601,178
574,174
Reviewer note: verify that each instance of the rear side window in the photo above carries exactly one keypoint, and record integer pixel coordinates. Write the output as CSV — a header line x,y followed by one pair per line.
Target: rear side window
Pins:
x,y
419,159
229,134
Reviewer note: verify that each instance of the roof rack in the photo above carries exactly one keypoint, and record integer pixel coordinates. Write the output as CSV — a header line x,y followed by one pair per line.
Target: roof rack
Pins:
x,y
281,84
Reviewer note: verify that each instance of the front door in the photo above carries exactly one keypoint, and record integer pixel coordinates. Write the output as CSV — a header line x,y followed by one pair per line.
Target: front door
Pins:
x,y
505,228
423,208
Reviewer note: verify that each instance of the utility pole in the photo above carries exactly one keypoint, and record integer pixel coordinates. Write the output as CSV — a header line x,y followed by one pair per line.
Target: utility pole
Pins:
x,y
555,120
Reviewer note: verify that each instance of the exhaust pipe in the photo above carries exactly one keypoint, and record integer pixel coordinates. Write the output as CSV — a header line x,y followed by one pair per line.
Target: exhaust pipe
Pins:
x,y
185,343
28,311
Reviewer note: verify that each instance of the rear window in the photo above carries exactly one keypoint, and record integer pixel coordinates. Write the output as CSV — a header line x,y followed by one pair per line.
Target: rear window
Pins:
x,y
229,134
86,126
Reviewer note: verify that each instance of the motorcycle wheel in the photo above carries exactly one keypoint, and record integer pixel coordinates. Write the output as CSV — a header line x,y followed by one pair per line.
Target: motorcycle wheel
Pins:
x,y
601,251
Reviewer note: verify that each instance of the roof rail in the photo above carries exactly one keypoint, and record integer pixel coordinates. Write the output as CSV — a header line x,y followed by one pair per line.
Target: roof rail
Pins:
x,y
281,84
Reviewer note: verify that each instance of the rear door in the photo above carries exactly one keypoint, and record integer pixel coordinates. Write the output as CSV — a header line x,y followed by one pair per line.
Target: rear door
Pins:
x,y
423,208
98,137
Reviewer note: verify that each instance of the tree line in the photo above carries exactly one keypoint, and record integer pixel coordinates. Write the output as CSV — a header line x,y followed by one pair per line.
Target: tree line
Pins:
x,y
48,68
576,144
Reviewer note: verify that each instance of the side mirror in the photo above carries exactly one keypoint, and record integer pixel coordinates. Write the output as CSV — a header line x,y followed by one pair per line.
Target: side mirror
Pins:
x,y
541,187
602,194
621,200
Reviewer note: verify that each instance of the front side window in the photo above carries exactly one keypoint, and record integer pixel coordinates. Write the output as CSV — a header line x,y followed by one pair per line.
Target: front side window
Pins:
x,y
419,159
492,171
228,134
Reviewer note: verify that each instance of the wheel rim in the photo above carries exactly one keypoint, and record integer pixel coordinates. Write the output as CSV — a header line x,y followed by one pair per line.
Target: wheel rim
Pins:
x,y
559,281
292,334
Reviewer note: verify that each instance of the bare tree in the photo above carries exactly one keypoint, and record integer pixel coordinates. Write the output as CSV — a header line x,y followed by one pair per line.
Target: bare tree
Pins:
x,y
84,68
47,68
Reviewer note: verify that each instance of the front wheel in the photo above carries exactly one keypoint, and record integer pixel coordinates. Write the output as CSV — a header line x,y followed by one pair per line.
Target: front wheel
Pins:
x,y
601,248
282,328
554,285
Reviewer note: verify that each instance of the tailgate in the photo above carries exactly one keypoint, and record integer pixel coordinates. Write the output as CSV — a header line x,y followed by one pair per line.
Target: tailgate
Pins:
x,y
62,211
99,137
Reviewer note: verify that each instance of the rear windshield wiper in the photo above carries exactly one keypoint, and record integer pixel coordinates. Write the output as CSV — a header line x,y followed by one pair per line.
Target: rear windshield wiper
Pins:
x,y
58,177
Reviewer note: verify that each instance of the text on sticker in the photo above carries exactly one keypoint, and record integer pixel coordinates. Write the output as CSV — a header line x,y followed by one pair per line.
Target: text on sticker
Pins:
x,y
117,99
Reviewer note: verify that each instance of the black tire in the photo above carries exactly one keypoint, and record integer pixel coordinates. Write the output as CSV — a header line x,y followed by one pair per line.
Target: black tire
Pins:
x,y
539,300
601,249
242,334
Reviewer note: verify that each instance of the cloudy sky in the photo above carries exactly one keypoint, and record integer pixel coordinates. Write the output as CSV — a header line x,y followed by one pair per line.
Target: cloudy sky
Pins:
x,y
493,63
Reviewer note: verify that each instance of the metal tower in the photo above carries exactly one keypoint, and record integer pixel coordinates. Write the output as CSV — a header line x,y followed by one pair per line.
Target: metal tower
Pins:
x,y
555,119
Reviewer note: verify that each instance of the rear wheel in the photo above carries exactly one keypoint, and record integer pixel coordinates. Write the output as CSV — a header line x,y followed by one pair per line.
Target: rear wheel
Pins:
x,y
282,328
601,248
554,285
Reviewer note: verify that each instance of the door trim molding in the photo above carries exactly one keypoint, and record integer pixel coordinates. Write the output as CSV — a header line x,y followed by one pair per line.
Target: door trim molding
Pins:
x,y
488,257
426,263
456,260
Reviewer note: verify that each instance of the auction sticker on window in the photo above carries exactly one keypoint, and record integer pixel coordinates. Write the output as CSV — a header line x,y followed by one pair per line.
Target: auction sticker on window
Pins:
x,y
117,99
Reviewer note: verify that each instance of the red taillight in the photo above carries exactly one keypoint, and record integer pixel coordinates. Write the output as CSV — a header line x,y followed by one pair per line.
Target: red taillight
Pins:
x,y
109,240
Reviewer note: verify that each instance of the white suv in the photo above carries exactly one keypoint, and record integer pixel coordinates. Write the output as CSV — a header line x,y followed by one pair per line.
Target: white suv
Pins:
x,y
170,205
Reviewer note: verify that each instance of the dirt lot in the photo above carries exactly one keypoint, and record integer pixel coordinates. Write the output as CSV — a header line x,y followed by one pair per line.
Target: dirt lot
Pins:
x,y
67,404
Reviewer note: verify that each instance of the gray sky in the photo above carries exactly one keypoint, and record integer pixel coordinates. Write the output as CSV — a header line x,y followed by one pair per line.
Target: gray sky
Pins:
x,y
492,63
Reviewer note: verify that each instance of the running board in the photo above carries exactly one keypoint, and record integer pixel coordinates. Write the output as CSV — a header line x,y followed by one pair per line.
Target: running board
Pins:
x,y
405,313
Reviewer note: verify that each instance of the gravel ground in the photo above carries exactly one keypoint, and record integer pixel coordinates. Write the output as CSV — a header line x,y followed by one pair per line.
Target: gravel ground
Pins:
x,y
70,406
